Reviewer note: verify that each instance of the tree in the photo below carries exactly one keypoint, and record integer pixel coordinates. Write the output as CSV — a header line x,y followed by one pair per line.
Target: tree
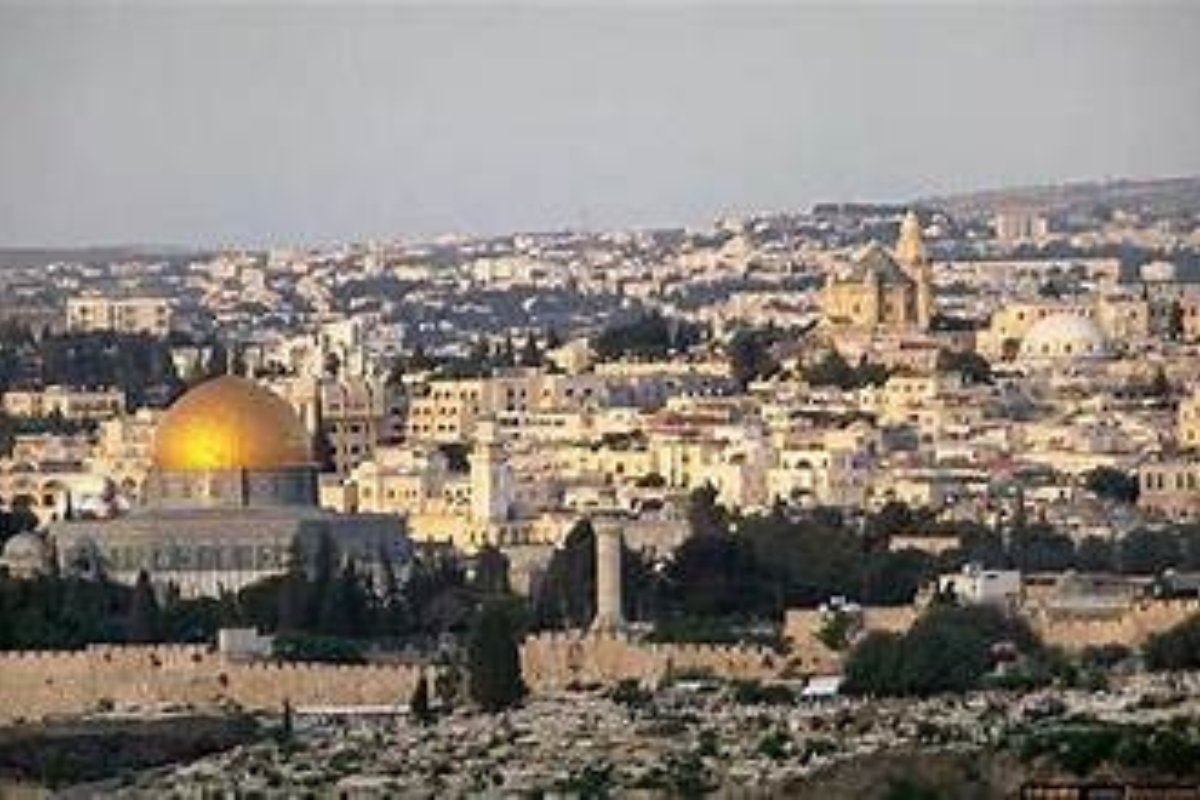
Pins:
x,y
894,578
1177,648
566,596
948,649
287,723
1149,551
324,571
1040,548
507,356
293,600
1095,554
418,704
649,336
531,354
719,575
973,367
1175,326
894,518
833,370
1112,484
1160,387
493,660
750,357
435,595
143,622
344,606
447,684
704,515
491,571
874,665
392,618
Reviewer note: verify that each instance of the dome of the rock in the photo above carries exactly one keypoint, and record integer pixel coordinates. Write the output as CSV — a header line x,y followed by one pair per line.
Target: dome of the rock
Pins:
x,y
230,423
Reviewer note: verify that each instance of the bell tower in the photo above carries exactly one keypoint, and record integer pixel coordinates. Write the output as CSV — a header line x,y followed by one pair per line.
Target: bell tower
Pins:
x,y
910,252
910,247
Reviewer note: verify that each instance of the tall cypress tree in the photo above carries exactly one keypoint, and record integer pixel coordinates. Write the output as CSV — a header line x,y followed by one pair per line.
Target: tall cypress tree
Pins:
x,y
418,704
392,618
344,605
143,622
324,575
493,660
294,601
491,571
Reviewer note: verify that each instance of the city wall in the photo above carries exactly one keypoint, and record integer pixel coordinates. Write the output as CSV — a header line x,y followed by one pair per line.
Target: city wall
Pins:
x,y
801,627
39,684
552,662
1131,625
46,683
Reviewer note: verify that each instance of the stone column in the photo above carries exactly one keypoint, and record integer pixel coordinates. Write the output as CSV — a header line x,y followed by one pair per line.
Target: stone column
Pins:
x,y
608,578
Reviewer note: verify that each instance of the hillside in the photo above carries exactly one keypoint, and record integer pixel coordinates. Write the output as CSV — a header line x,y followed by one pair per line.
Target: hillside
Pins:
x,y
1161,197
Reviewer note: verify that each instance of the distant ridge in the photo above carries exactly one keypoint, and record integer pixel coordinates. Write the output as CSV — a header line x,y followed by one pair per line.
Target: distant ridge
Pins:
x,y
1160,196
39,256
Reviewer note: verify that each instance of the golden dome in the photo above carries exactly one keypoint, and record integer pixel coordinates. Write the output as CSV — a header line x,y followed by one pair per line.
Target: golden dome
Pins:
x,y
230,423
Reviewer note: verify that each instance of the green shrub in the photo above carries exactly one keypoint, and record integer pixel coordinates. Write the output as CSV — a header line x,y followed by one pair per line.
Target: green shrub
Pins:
x,y
774,745
630,693
319,648
1176,648
948,649
752,693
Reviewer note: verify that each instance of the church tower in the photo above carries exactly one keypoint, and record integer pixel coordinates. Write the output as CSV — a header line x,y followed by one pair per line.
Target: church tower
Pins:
x,y
910,252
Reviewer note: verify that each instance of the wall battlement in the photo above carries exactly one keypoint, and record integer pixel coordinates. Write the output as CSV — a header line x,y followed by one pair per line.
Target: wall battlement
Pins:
x,y
555,661
37,684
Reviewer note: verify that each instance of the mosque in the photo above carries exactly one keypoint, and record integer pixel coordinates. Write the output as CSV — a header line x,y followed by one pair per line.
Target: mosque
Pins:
x,y
881,290
232,489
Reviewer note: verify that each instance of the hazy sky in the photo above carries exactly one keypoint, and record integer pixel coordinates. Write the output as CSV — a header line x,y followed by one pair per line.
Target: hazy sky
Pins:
x,y
241,124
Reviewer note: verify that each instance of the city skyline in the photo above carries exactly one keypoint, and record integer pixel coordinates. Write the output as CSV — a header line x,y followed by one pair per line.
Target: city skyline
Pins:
x,y
222,126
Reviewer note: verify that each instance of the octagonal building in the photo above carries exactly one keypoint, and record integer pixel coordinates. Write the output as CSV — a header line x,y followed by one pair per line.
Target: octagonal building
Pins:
x,y
233,486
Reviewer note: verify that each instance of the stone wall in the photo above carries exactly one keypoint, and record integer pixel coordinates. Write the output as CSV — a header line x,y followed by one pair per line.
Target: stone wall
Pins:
x,y
551,662
46,683
1130,626
801,626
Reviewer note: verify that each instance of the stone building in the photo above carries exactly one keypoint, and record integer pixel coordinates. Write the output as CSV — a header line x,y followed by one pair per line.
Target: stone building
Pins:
x,y
65,401
1188,436
231,489
151,315
352,415
1171,487
881,290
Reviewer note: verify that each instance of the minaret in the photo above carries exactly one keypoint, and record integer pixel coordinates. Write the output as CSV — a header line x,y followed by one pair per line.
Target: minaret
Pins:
x,y
609,618
490,489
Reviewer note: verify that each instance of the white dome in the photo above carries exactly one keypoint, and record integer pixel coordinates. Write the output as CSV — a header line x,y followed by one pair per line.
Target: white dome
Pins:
x,y
1158,272
1063,337
26,553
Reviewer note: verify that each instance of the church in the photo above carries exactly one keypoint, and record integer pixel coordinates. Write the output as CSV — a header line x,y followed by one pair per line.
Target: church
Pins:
x,y
879,291
232,489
